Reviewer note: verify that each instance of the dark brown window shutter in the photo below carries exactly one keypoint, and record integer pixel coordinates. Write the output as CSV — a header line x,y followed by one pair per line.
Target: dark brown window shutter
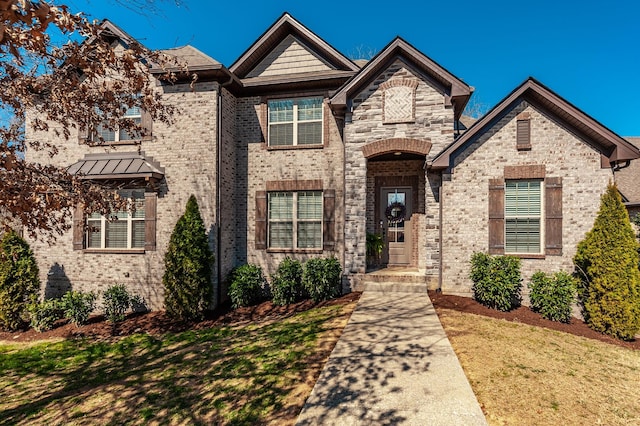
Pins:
x,y
553,216
523,137
329,225
83,135
147,124
78,228
150,209
261,220
496,216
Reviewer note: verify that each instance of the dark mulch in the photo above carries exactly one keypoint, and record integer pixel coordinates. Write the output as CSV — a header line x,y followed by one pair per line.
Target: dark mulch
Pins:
x,y
157,322
525,315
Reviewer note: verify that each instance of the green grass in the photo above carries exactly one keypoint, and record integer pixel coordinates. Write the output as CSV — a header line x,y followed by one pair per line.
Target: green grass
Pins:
x,y
227,375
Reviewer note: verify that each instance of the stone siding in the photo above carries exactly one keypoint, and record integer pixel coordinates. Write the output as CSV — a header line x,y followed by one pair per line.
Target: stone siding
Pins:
x,y
432,122
465,192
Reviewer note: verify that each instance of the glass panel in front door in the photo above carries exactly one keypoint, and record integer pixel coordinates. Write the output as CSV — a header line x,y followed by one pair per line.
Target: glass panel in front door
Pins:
x,y
396,209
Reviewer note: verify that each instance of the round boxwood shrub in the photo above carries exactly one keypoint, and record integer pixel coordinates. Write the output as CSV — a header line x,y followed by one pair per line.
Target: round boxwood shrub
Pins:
x,y
286,283
77,306
43,315
19,281
246,285
117,301
497,282
321,278
552,296
607,264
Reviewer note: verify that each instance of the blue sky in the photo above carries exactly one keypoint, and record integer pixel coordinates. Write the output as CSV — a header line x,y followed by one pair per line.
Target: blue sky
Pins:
x,y
587,51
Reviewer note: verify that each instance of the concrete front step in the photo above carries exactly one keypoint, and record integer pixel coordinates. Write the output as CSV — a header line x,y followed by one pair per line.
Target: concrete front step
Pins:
x,y
395,286
394,278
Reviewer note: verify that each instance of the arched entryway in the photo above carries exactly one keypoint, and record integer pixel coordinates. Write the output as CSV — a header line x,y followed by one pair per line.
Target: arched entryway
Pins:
x,y
396,198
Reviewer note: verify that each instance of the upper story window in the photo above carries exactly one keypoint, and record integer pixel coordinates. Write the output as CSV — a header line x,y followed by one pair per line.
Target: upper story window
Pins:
x,y
523,214
295,219
102,131
295,122
125,232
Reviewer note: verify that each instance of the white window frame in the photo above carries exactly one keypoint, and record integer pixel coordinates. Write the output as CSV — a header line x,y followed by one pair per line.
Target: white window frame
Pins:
x,y
295,121
126,115
129,219
539,216
294,220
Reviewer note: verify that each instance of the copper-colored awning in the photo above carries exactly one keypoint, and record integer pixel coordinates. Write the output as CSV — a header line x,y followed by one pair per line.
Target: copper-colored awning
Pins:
x,y
121,165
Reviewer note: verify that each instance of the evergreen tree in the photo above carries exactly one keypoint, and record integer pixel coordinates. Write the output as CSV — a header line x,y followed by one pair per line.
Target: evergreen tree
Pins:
x,y
607,263
19,280
188,265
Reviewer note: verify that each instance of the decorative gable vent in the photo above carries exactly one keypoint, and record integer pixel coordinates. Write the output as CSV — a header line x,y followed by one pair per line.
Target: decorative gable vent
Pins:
x,y
523,132
398,99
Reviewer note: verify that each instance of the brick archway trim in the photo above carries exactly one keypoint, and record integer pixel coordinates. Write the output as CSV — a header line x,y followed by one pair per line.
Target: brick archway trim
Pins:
x,y
386,146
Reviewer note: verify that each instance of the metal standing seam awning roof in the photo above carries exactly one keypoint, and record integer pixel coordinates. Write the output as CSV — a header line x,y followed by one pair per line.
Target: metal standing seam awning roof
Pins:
x,y
121,165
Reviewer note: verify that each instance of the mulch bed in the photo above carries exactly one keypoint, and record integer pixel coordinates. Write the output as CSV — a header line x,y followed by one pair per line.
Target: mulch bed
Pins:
x,y
157,322
525,315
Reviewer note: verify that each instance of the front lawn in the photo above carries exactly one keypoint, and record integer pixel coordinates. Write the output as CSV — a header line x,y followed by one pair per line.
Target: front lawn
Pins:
x,y
252,374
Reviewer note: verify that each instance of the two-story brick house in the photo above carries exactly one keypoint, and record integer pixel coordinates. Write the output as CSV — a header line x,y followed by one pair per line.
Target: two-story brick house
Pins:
x,y
295,150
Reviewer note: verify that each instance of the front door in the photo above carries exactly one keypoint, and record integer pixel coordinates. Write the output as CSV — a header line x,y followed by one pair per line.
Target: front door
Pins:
x,y
395,211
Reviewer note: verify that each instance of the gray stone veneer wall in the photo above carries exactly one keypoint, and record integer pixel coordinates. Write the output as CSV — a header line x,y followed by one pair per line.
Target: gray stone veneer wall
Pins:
x,y
433,122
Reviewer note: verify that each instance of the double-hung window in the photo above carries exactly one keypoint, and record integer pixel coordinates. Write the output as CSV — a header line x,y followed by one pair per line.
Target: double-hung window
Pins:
x,y
133,114
295,219
295,122
523,216
125,231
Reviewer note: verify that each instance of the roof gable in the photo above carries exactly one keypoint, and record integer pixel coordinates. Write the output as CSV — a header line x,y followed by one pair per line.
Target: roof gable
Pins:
x,y
457,91
291,56
614,147
272,40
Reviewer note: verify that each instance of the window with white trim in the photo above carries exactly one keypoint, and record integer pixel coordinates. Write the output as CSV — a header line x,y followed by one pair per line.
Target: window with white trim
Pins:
x,y
126,230
295,219
523,216
295,121
102,131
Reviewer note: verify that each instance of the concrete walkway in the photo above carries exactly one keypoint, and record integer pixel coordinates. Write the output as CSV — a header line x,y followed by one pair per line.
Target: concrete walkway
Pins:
x,y
393,365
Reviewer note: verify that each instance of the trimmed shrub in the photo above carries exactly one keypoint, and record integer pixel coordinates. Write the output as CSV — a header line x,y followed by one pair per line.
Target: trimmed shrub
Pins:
x,y
77,306
321,278
43,315
19,281
552,296
286,283
117,301
246,285
188,261
496,281
607,265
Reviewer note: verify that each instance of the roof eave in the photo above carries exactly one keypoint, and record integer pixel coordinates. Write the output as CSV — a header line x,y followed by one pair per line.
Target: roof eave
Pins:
x,y
533,91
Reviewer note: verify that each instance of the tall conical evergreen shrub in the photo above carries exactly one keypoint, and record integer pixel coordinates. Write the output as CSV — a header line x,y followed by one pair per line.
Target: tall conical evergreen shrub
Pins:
x,y
188,263
607,263
19,280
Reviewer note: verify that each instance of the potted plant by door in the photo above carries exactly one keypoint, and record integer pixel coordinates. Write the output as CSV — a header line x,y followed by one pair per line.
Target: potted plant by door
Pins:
x,y
375,245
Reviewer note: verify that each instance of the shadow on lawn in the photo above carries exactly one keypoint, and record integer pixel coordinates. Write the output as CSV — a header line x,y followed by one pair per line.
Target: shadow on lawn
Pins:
x,y
217,375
